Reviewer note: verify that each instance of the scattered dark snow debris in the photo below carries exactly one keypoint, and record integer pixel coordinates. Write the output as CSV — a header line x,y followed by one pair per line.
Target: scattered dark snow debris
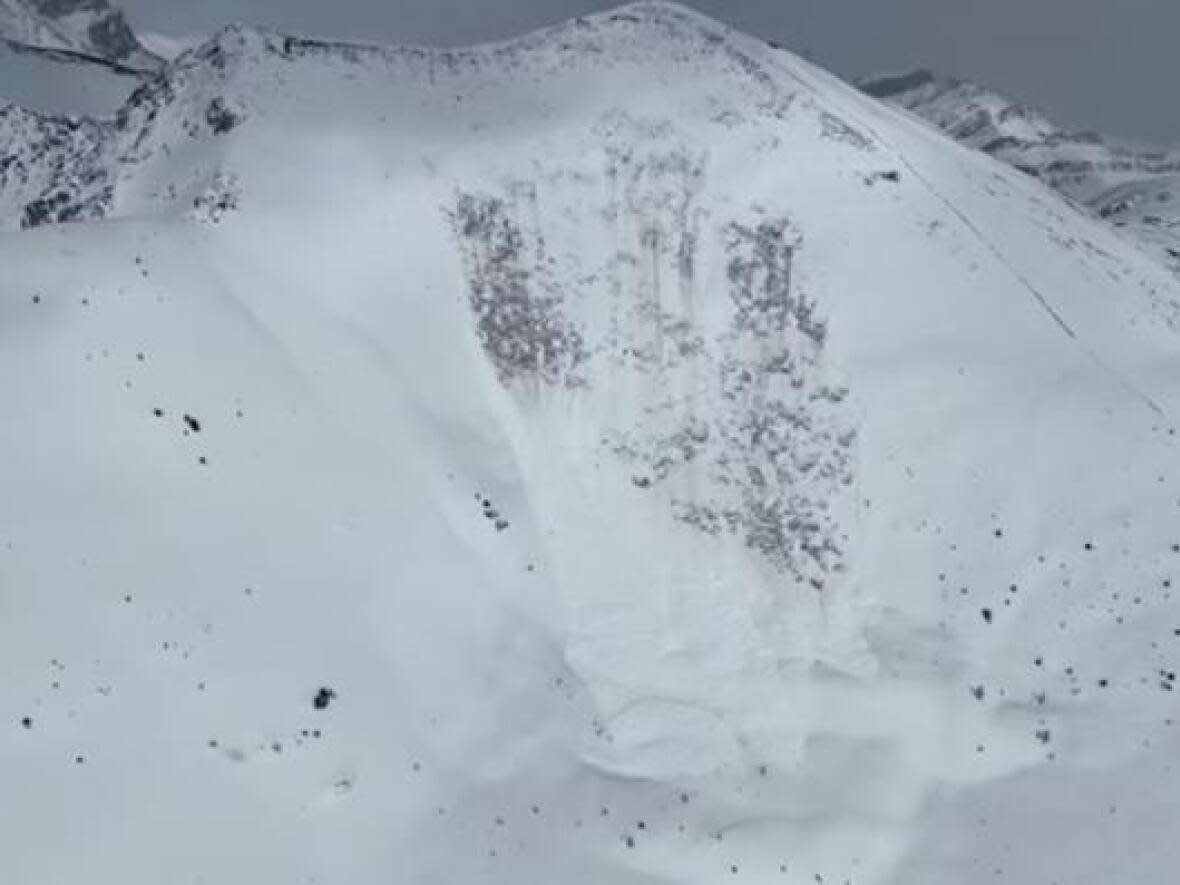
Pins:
x,y
220,118
977,691
36,299
986,613
27,722
491,513
159,413
78,760
203,460
1044,735
323,697
193,424
1088,546
629,841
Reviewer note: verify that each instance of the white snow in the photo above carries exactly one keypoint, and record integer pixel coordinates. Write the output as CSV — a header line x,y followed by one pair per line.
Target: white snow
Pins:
x,y
632,424
169,46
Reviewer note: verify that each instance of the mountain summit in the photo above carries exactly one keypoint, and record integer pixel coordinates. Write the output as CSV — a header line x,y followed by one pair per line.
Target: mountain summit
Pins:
x,y
623,454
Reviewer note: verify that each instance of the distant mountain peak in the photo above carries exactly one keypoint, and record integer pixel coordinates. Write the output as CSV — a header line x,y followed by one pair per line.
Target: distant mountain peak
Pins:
x,y
91,28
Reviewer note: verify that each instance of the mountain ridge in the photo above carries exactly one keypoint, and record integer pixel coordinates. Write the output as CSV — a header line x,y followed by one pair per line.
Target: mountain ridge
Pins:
x,y
1134,188
87,28
77,57
623,454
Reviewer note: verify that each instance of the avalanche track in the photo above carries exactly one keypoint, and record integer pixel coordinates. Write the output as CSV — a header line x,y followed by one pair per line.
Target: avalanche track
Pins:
x,y
625,454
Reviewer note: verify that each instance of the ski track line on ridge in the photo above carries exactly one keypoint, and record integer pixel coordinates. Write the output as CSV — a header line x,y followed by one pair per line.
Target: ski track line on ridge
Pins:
x,y
994,250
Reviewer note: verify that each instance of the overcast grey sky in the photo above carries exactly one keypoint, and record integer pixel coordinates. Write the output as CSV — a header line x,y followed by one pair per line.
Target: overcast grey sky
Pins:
x,y
1111,65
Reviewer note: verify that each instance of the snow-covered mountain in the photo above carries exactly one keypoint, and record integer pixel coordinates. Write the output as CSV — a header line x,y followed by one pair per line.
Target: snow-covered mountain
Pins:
x,y
1135,188
626,454
82,27
68,57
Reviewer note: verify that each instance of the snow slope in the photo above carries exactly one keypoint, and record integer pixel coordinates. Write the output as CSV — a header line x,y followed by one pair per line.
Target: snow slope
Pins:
x,y
622,455
1135,188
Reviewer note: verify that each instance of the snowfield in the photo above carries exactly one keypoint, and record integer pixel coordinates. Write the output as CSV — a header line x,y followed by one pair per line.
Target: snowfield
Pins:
x,y
626,455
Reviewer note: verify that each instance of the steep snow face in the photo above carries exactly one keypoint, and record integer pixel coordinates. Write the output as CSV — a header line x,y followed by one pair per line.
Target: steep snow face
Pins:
x,y
87,27
1136,189
626,454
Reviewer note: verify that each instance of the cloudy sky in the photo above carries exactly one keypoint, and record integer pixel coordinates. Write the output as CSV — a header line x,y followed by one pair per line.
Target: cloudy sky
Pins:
x,y
1111,65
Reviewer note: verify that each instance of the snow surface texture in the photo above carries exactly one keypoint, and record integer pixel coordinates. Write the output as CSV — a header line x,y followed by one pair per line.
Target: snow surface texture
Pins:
x,y
622,455
1135,189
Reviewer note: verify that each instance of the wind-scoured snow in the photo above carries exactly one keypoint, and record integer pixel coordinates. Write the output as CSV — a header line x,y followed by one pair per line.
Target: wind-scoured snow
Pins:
x,y
626,454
